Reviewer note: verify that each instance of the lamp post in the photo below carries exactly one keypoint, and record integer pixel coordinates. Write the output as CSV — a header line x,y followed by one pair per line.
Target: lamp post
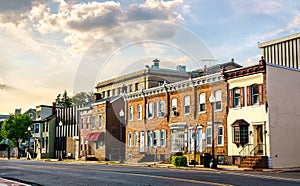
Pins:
x,y
28,149
212,101
60,124
121,114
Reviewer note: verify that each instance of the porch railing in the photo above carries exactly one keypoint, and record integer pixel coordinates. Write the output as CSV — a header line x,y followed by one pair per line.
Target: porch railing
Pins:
x,y
246,151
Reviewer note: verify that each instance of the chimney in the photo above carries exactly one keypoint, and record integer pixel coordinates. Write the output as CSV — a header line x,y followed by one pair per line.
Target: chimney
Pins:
x,y
156,63
97,96
262,61
232,60
53,108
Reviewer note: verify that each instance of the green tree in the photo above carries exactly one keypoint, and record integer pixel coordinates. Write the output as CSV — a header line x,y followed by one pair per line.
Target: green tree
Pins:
x,y
63,100
82,99
15,128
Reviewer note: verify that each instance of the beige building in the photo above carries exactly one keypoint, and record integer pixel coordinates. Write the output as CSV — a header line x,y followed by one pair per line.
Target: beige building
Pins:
x,y
149,77
262,116
283,51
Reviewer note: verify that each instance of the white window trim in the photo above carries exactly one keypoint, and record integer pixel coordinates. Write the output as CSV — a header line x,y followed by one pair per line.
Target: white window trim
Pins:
x,y
216,98
131,113
200,102
208,127
161,113
140,112
129,136
150,105
222,144
184,105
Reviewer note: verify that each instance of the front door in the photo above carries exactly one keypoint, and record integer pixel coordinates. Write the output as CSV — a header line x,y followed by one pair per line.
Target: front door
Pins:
x,y
199,140
259,142
142,142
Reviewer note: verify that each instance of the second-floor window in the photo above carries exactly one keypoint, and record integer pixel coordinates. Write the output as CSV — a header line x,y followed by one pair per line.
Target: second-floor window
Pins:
x,y
93,122
150,110
161,109
187,104
218,100
87,123
82,123
202,100
140,112
236,97
100,121
131,113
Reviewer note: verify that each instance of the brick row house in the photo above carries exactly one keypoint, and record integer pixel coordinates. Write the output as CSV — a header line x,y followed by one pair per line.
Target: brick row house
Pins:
x,y
176,118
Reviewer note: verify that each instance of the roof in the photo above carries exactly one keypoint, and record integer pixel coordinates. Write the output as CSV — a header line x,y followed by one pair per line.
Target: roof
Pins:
x,y
279,40
240,122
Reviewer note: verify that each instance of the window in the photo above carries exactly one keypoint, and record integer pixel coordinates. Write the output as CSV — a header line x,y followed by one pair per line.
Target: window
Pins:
x,y
108,93
135,139
113,92
255,94
150,110
161,109
236,97
82,123
220,136
37,128
177,140
93,122
202,100
131,113
218,97
129,139
187,104
136,86
240,132
156,138
208,136
99,121
139,112
103,94
100,144
87,122
174,104
163,141
130,88
160,83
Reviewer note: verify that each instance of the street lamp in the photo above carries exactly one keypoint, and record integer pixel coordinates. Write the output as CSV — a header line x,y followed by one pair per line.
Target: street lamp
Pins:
x,y
60,124
121,114
28,149
212,100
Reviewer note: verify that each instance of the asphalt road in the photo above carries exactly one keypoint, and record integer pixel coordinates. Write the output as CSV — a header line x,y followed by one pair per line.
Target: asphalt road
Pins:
x,y
60,173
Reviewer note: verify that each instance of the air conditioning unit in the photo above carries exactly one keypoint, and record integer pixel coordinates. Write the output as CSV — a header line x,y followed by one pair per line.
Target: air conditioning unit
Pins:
x,y
174,113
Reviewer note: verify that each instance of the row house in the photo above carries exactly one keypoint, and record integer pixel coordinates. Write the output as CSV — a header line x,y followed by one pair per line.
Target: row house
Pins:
x,y
263,119
100,132
176,118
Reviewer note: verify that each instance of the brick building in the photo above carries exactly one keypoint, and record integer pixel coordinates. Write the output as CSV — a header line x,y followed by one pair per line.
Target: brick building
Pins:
x,y
176,118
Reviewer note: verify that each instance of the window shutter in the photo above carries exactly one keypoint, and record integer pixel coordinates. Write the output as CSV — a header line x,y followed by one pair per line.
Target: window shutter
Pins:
x,y
261,94
242,96
249,95
230,98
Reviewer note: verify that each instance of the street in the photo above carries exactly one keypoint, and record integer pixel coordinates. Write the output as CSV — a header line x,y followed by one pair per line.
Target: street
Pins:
x,y
64,173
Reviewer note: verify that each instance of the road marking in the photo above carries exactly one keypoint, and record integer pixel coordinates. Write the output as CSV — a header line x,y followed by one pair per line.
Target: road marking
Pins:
x,y
265,176
176,179
6,182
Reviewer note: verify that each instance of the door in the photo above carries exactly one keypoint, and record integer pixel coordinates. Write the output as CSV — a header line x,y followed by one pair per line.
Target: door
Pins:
x,y
148,140
199,139
142,142
259,143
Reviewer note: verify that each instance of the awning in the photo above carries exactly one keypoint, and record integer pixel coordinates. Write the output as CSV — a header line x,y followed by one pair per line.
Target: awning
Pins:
x,y
240,122
93,136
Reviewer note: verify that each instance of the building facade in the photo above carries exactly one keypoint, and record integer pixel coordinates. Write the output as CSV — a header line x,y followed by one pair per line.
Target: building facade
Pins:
x,y
176,118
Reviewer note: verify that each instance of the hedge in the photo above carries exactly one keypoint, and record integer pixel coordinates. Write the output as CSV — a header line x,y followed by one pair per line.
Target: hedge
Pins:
x,y
179,161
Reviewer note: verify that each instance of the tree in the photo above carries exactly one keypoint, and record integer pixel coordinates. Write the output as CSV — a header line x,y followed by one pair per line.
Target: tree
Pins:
x,y
64,101
82,99
15,128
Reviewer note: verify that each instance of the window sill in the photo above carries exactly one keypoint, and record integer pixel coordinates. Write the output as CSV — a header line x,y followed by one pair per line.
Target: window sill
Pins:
x,y
202,112
186,114
220,110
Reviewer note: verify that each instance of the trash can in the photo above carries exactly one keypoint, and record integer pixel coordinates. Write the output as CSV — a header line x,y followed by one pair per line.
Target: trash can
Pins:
x,y
206,160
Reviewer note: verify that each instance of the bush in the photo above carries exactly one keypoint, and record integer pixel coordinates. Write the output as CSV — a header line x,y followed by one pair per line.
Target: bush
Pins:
x,y
179,161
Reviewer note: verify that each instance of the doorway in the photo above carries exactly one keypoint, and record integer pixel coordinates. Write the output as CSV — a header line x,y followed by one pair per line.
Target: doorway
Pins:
x,y
259,140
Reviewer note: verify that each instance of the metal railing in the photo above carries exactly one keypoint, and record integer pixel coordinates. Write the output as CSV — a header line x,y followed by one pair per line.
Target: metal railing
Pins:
x,y
257,150
246,151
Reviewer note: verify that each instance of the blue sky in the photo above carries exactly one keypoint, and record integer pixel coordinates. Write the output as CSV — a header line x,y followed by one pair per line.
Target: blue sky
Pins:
x,y
47,45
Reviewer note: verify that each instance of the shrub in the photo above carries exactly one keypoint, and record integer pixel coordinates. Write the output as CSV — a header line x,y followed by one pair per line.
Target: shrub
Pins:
x,y
179,161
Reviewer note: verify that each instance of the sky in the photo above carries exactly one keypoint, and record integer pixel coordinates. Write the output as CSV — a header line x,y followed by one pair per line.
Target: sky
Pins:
x,y
48,46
